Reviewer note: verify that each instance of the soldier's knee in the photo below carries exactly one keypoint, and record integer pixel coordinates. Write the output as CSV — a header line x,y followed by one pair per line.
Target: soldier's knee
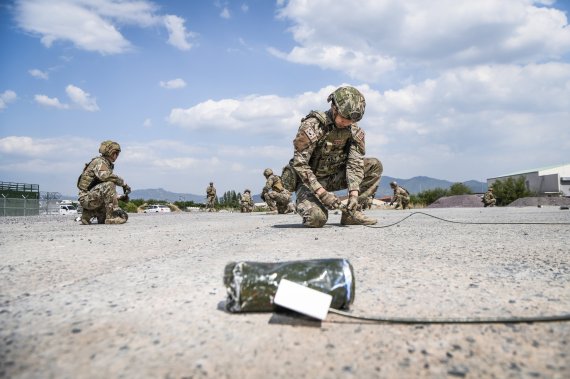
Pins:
x,y
373,166
313,216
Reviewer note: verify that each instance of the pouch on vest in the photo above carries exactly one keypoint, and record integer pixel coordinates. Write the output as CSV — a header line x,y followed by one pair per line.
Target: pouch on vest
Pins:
x,y
289,178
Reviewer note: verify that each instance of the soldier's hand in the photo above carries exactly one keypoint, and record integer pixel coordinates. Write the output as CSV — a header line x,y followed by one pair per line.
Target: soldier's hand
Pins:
x,y
329,200
352,204
126,189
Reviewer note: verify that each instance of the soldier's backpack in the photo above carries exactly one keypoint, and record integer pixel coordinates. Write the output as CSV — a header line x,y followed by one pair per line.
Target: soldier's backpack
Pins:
x,y
289,177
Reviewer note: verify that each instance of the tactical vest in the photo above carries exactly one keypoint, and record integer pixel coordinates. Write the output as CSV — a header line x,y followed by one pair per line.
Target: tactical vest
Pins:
x,y
87,180
332,149
277,184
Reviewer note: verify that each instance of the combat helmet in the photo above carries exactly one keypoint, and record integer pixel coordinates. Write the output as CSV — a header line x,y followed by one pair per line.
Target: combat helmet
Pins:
x,y
349,102
247,190
393,184
267,172
109,147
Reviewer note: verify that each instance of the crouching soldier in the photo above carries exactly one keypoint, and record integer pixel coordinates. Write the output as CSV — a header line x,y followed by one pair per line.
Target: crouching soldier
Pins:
x,y
329,156
97,188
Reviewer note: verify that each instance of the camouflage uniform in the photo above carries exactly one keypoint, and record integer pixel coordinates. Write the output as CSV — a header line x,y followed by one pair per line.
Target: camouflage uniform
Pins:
x,y
97,188
246,202
211,196
489,199
274,194
401,197
333,158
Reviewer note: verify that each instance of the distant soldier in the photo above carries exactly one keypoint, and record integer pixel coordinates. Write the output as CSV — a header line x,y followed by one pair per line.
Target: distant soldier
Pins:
x,y
401,196
489,199
97,188
211,196
246,202
274,194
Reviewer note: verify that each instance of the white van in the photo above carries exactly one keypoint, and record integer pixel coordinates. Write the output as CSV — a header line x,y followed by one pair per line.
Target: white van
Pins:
x,y
67,209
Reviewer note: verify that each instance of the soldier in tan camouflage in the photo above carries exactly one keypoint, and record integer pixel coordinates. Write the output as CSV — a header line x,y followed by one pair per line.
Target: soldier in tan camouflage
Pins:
x,y
211,197
488,198
246,202
329,156
97,187
401,196
274,194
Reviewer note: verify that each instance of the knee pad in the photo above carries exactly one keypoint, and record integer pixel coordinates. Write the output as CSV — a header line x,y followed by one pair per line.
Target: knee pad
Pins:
x,y
373,165
314,217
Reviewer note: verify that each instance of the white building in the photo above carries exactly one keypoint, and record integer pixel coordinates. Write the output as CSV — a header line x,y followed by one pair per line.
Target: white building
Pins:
x,y
547,181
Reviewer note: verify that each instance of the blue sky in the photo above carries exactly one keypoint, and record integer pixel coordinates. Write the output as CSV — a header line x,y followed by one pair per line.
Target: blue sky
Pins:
x,y
200,91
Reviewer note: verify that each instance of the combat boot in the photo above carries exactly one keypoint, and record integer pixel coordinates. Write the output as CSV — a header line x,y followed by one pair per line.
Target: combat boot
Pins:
x,y
115,220
86,217
356,218
114,216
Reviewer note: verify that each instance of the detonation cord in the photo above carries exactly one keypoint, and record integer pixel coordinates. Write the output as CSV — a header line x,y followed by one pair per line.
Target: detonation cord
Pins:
x,y
473,320
466,223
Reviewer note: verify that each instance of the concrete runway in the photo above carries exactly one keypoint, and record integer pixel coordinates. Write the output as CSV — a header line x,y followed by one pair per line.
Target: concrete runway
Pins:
x,y
146,299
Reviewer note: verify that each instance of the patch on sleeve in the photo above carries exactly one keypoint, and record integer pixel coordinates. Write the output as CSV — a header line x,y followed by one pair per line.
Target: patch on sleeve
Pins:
x,y
359,137
310,132
305,137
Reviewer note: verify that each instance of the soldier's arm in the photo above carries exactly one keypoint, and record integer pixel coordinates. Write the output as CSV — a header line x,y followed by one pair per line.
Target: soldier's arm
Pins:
x,y
105,174
355,161
304,144
268,185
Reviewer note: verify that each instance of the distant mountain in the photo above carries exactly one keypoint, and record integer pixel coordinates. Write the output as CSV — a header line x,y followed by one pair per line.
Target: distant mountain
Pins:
x,y
414,185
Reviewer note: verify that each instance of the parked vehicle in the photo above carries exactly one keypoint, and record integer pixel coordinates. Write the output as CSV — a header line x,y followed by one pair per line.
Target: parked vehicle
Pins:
x,y
67,209
156,208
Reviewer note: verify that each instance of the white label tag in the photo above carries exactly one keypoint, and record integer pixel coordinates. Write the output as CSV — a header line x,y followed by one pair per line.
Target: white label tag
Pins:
x,y
303,299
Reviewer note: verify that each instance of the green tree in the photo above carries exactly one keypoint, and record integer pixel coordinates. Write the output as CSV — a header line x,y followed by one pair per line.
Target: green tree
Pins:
x,y
229,199
428,196
508,190
459,189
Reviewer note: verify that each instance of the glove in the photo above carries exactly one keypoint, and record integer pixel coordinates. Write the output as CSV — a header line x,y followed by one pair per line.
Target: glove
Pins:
x,y
124,198
352,204
126,189
329,200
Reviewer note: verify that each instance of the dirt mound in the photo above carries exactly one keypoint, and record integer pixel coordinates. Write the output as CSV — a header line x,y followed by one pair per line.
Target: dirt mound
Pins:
x,y
536,201
459,201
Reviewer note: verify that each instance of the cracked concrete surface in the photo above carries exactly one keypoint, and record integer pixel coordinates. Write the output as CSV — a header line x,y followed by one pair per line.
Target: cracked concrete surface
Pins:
x,y
146,299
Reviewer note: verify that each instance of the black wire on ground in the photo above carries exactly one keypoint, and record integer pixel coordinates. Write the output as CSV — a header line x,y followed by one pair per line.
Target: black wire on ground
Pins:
x,y
466,222
474,320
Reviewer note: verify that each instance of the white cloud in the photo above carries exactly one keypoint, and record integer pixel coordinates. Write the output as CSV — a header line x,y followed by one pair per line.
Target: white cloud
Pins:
x,y
42,148
254,113
81,98
177,34
147,123
225,13
39,74
50,102
378,36
94,25
173,84
7,97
